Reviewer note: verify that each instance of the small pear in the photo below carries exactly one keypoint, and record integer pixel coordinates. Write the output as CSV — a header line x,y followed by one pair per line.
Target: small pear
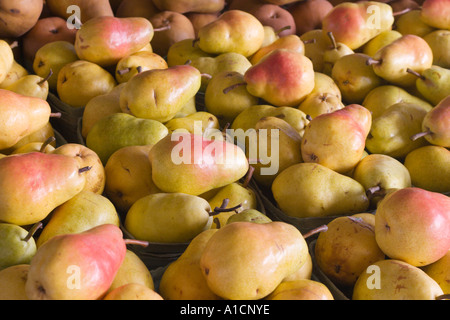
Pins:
x,y
335,51
433,83
439,42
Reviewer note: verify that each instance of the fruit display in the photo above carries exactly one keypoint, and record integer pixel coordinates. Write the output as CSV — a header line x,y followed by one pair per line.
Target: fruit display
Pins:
x,y
224,150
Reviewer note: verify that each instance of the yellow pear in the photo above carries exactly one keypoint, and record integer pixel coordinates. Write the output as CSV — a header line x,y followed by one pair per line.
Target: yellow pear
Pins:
x,y
302,289
291,42
12,282
137,62
133,291
379,41
42,135
6,60
16,72
198,122
440,272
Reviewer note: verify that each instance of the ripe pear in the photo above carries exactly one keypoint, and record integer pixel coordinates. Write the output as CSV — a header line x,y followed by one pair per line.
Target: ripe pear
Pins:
x,y
192,164
81,80
53,56
390,132
119,130
16,72
291,42
303,289
159,94
37,183
392,279
412,224
316,43
12,282
168,217
346,249
337,139
304,272
233,31
325,83
31,85
18,245
436,14
184,51
379,173
433,83
319,103
440,272
439,42
45,147
379,41
7,60
132,270
45,134
334,53
139,61
248,260
83,211
183,279
132,291
91,258
21,116
410,23
313,190
429,168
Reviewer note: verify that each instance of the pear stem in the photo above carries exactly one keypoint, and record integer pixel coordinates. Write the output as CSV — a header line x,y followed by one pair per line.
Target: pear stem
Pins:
x,y
14,44
398,13
228,89
333,39
321,228
136,242
248,177
411,71
84,169
308,117
206,75
46,143
419,135
372,191
282,29
40,83
123,71
372,61
55,115
309,41
163,28
32,231
218,210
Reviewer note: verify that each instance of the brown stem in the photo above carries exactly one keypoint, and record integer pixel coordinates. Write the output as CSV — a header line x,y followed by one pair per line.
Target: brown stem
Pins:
x,y
225,203
163,28
419,135
228,89
398,13
188,62
40,83
309,41
217,222
308,117
322,228
139,69
46,143
136,242
371,61
14,44
84,169
195,41
415,73
123,71
282,29
55,115
372,190
248,177
332,38
32,231
206,75
218,210
445,296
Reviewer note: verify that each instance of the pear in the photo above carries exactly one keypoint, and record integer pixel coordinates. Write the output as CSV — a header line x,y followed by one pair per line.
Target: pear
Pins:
x,y
184,51
379,173
303,289
334,53
410,23
304,272
53,56
313,190
45,134
245,261
250,215
198,122
139,61
168,217
439,42
183,279
89,8
233,31
291,42
129,176
192,6
411,224
92,258
408,52
433,83
319,103
159,94
81,80
436,14
379,41
428,167
325,83
18,245
7,60
45,147
346,249
192,164
316,43
390,132
132,270
133,291
440,272
434,124
337,139
12,282
128,34
31,86
80,213
16,72
21,116
120,130
37,183
395,280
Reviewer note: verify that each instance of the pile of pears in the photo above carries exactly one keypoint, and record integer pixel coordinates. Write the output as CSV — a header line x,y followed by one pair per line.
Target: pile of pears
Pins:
x,y
353,116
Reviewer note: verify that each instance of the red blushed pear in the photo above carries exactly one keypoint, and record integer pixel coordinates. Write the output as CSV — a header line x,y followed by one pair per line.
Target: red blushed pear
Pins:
x,y
436,13
79,266
282,78
192,164
106,40
413,225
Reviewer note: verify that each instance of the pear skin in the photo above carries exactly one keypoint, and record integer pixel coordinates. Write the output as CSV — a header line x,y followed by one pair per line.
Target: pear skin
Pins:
x,y
7,60
440,272
133,291
12,282
304,289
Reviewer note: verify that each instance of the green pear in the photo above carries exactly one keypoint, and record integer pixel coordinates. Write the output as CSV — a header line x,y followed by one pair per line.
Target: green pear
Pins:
x,y
159,94
249,215
429,168
249,260
31,85
168,217
390,132
354,77
226,106
210,66
410,23
433,83
335,51
184,51
395,280
118,130
12,282
81,80
139,61
233,31
53,56
381,40
18,245
80,213
384,96
379,173
313,190
439,42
